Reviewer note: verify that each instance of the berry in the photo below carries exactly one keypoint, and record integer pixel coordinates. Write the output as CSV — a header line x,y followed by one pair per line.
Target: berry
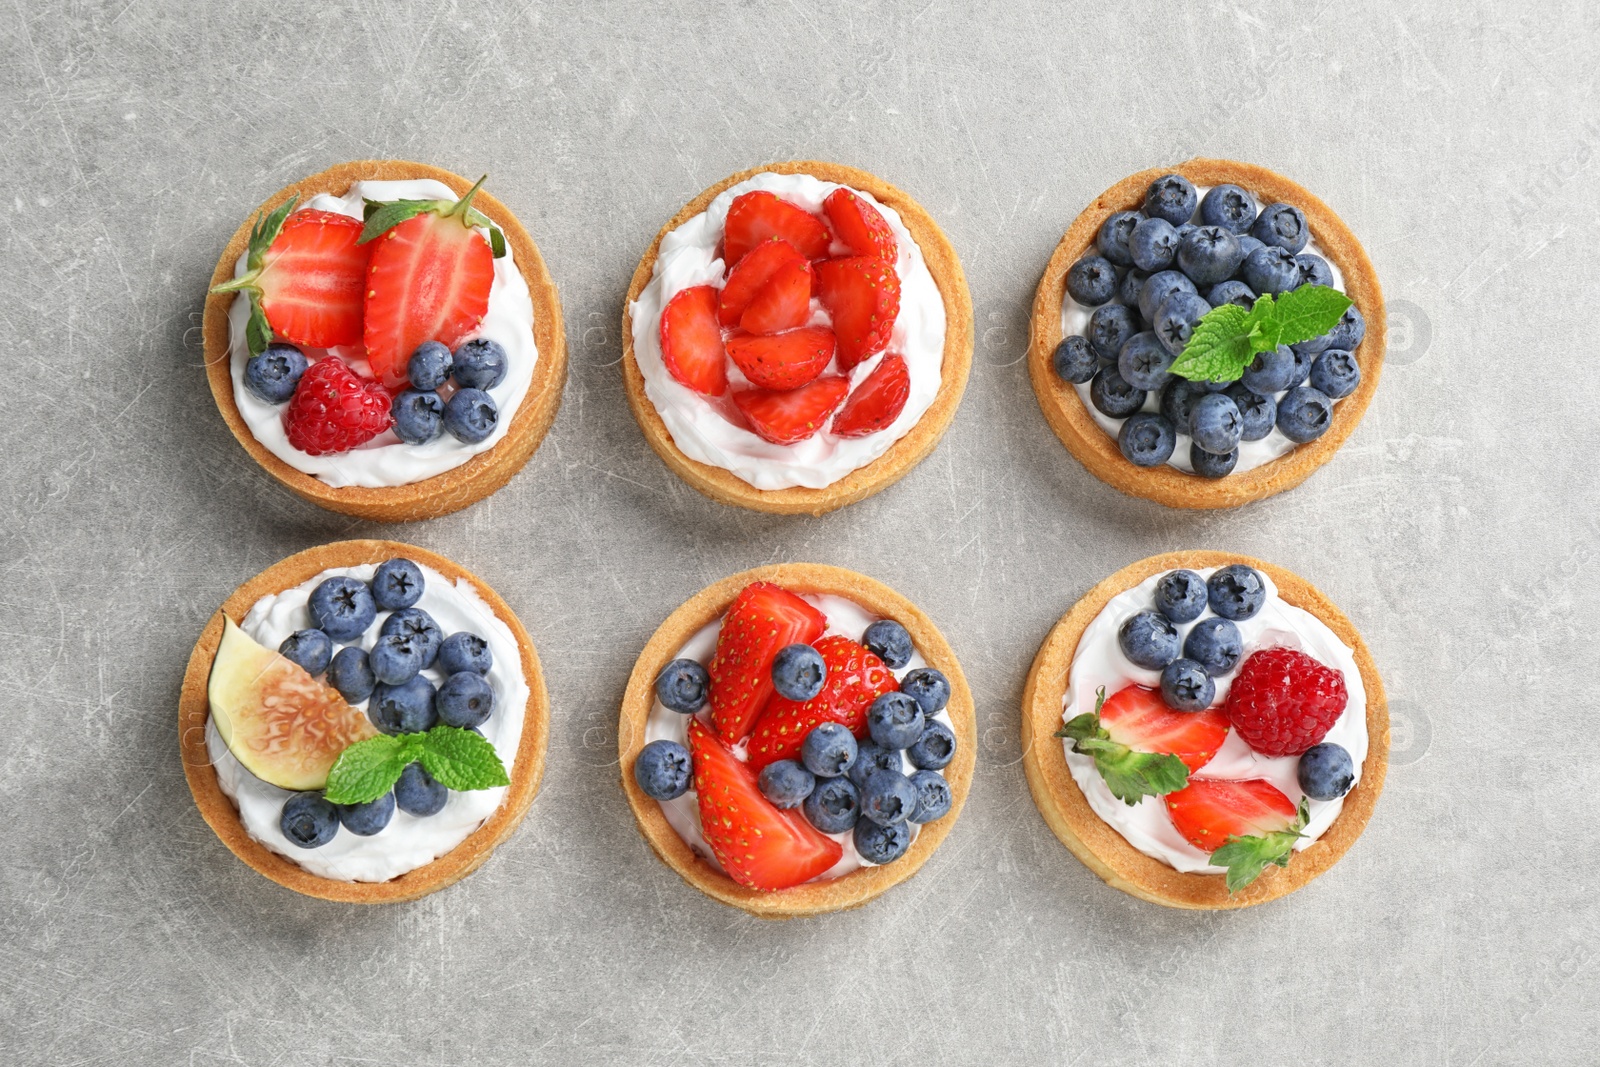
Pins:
x,y
1270,372
1247,244
1113,396
1109,329
1283,226
786,783
395,659
1304,414
1181,595
273,374
351,675
1186,686
396,584
479,364
1215,423
855,678
751,276
429,368
1092,280
418,416
1215,644
663,770
1114,235
895,721
1212,464
757,216
1138,718
1228,206
342,607
1209,811
1160,286
471,415
1326,771
691,341
876,402
1335,374
311,649
308,821
1283,701
888,797
682,686
881,844
934,749
407,708
1352,327
1303,358
869,758
465,700
862,295
762,619
833,806
1171,197
928,687
1176,319
783,303
933,796
1178,399
1257,413
1270,269
1147,439
782,361
334,409
416,792
829,750
890,642
1144,361
364,820
1314,270
463,651
798,672
311,279
1074,361
1153,245
420,627
1148,639
794,415
859,226
1129,288
1232,291
1208,255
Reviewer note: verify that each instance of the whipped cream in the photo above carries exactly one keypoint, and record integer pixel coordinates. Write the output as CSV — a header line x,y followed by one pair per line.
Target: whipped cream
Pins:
x,y
846,618
408,842
1099,662
1252,454
386,460
700,426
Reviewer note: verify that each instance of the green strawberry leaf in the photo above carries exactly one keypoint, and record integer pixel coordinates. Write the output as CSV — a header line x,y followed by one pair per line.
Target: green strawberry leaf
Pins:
x,y
1129,774
257,333
368,769
1220,347
382,216
1227,338
1246,857
461,760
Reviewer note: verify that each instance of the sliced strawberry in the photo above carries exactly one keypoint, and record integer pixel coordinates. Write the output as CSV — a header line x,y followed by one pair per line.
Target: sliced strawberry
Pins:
x,y
754,217
751,275
855,678
791,415
783,303
785,360
691,341
312,287
1139,718
877,402
759,845
762,619
1208,811
860,226
863,296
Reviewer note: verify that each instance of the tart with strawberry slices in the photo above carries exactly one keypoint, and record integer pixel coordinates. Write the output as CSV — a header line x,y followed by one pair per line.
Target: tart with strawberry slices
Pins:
x,y
796,739
796,338
385,340
1204,730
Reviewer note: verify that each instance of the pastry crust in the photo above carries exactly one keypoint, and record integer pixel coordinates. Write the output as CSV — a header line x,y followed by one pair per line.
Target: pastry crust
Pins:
x,y
812,898
905,453
219,811
455,488
1067,414
1101,848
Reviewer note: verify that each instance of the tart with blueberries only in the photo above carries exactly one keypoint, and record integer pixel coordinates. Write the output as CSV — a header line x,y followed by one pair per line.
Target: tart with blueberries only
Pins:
x,y
384,339
1204,730
1206,335
796,739
364,722
796,338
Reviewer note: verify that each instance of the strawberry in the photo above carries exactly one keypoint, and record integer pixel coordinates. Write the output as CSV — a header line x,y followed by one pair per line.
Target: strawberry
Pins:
x,y
1140,746
334,409
691,341
785,360
1283,701
877,401
792,415
754,217
863,296
751,275
859,225
856,677
759,845
783,303
761,620
1244,825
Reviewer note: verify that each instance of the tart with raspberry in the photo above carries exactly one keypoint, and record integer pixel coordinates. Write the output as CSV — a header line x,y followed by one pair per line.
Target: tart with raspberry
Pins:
x,y
796,739
1206,335
364,722
1204,730
796,338
384,339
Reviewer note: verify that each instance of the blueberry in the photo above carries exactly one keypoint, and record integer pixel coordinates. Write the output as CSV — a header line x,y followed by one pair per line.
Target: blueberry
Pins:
x,y
933,796
419,625
1314,270
396,584
1210,464
833,806
1128,289
1236,592
1148,639
1326,771
798,671
1176,319
1159,287
1270,269
1144,361
1335,374
882,844
1074,361
1215,644
309,821
479,364
1178,400
1351,329
416,793
342,608
888,798
1232,291
1283,225
1228,206
786,783
407,708
1181,595
364,820
463,651
934,749
1109,329
1304,414
311,649
870,757
471,415
1171,197
418,416
1185,686
429,366
1302,365
1257,413
890,642
1215,424
928,687
1113,396
1092,280
273,374
1153,245
683,686
465,700
829,750
1208,255
1147,439
1270,372
1247,244
1112,240
1313,347
663,770
351,675
395,659
895,720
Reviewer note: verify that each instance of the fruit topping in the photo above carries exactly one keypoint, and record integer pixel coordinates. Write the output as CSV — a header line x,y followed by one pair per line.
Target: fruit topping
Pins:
x,y
881,844
1326,771
418,793
869,758
663,770
416,623
465,700
1215,423
1228,206
859,226
877,401
397,583
784,303
762,619
310,648
479,364
1092,281
862,294
1114,235
1074,361
783,361
471,415
756,216
1140,746
790,416
829,750
855,678
1236,592
334,410
418,416
1335,374
342,607
369,818
351,674
1209,255
798,672
890,642
928,687
429,366
1282,225
1283,702
691,341
1171,197
786,783
1215,644
272,375
682,686
463,651
1304,414
933,796
395,659
1186,686
834,806
407,708
888,797
751,275
1147,439
1112,396
1149,640
1245,825
308,821
895,721
934,750
1181,595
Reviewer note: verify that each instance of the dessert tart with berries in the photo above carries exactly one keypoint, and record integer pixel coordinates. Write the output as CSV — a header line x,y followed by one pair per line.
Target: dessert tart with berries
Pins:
x,y
384,339
796,739
1207,335
796,338
1204,730
364,722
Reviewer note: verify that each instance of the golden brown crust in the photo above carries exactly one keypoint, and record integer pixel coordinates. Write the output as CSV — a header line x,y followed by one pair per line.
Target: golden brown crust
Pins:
x,y
905,453
1065,411
813,898
526,771
455,488
1101,848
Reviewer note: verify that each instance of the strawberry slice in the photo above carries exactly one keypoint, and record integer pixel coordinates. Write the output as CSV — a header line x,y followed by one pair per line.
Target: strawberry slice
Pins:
x,y
691,341
855,678
863,296
877,402
860,226
783,303
1139,718
1244,825
762,619
785,360
751,275
759,845
793,415
754,217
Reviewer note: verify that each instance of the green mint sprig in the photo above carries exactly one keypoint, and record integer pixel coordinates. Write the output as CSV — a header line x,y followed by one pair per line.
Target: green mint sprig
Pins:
x,y
257,333
381,216
1247,857
1130,775
457,759
1228,337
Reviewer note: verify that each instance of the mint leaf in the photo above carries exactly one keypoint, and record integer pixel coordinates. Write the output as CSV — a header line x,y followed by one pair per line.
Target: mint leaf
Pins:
x,y
1227,338
461,760
368,769
1220,348
1129,774
1307,312
1246,857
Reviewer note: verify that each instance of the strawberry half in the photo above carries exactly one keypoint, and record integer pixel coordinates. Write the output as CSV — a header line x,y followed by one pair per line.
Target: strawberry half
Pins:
x,y
790,416
877,402
783,303
1140,746
751,275
860,226
754,217
785,360
856,677
691,341
862,294
1244,825
759,845
762,619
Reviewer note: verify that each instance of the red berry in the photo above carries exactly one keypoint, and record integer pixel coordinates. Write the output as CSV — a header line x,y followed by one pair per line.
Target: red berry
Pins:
x,y
859,225
1139,718
334,409
314,279
784,303
691,341
877,402
1283,701
856,677
1208,811
761,620
862,293
754,217
429,280
783,361
751,274
791,415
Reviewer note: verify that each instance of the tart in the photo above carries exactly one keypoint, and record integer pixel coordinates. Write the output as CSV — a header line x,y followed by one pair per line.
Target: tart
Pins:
x,y
253,767
1270,720
371,443
859,774
796,338
1155,453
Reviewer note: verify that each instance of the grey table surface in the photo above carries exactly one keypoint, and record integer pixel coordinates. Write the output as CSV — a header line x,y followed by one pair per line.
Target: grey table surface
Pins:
x,y
1457,528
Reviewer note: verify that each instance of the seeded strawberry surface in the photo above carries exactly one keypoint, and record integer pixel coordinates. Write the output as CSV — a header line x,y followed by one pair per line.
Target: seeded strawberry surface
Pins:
x,y
1283,701
856,677
762,619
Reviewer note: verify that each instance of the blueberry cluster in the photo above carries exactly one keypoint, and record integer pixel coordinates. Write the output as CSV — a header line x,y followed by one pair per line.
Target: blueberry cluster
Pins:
x,y
1153,275
390,678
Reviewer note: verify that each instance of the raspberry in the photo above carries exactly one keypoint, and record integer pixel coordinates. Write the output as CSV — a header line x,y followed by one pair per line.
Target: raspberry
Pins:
x,y
334,409
1283,701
